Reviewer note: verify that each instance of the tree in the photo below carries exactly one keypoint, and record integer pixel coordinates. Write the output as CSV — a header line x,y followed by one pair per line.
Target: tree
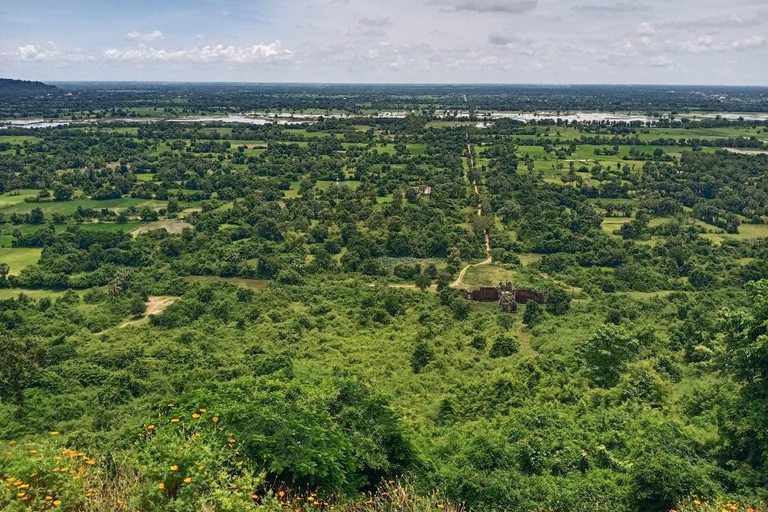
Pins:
x,y
20,362
532,313
443,280
745,422
62,192
138,306
421,356
423,281
558,301
504,346
36,216
4,270
606,353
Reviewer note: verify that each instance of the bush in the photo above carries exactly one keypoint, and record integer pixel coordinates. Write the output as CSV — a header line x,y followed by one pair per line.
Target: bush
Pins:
x,y
422,355
504,346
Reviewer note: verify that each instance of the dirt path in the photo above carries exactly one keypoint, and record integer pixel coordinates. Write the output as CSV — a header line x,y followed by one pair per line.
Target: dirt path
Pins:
x,y
155,305
746,152
488,259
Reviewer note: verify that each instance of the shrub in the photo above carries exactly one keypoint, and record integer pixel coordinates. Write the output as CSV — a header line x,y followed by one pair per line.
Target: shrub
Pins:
x,y
504,346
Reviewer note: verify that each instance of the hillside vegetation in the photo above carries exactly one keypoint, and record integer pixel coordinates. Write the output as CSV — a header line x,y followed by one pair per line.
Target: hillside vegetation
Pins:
x,y
226,317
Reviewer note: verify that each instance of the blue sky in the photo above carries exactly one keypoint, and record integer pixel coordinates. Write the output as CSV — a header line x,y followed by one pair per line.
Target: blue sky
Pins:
x,y
404,41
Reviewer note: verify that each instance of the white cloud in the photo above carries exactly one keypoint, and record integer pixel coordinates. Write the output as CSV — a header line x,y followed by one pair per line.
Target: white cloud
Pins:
x,y
512,43
135,35
661,61
219,53
646,29
707,44
490,6
48,53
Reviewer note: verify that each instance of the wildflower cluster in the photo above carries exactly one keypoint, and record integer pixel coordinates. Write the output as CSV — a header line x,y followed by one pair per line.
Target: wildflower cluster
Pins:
x,y
189,461
44,476
701,505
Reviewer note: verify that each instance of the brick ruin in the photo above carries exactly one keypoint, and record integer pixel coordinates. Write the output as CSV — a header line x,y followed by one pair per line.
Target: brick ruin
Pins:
x,y
506,295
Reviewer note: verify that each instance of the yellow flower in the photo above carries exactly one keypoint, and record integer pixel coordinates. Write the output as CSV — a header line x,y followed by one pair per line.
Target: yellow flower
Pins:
x,y
203,410
174,467
161,485
175,420
170,405
57,503
187,480
54,433
150,427
195,415
48,498
696,502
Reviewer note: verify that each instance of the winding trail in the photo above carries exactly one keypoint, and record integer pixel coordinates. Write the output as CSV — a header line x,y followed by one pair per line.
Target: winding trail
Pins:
x,y
488,259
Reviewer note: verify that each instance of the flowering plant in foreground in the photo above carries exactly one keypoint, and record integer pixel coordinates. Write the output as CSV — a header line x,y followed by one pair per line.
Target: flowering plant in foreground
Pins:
x,y
188,460
45,476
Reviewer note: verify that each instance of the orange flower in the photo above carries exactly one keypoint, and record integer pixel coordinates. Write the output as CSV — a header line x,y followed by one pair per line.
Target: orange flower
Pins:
x,y
150,427
170,405
195,415
215,419
203,410
161,485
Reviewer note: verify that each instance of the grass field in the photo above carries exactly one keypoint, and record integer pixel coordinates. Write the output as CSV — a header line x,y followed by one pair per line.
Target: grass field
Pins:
x,y
18,139
12,204
19,258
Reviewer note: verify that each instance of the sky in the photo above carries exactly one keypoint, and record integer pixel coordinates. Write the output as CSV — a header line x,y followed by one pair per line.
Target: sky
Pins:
x,y
702,42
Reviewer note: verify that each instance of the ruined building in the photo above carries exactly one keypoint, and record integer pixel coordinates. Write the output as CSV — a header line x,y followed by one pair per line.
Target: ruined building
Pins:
x,y
506,294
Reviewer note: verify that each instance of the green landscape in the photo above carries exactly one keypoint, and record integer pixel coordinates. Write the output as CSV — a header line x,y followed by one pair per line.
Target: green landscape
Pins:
x,y
373,313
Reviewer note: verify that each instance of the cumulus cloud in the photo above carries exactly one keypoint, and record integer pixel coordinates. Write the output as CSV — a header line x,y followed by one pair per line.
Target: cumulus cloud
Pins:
x,y
381,21
613,8
48,53
708,44
219,53
491,6
646,29
135,35
510,42
661,61
724,21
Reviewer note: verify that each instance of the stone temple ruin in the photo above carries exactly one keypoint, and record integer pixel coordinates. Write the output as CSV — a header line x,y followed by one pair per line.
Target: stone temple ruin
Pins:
x,y
506,294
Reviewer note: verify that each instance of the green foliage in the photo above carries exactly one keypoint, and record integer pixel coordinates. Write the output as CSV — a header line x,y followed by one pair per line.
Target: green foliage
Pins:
x,y
532,313
421,357
188,460
605,354
504,346
45,476
558,300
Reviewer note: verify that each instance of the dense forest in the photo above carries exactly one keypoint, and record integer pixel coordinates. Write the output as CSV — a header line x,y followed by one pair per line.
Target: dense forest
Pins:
x,y
208,315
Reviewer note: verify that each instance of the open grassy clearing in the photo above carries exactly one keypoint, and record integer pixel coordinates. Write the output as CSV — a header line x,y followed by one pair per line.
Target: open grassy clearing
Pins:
x,y
19,258
69,207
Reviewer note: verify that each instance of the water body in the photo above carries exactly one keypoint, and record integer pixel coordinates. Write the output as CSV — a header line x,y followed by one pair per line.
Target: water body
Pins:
x,y
262,118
